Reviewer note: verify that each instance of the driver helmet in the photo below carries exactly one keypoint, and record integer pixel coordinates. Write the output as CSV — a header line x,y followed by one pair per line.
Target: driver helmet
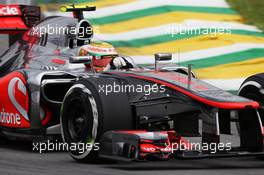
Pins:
x,y
101,52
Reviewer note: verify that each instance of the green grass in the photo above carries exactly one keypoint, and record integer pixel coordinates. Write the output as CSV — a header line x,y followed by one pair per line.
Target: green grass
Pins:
x,y
251,10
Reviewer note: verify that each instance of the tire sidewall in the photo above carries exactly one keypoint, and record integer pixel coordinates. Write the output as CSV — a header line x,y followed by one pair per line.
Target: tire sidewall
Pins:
x,y
89,96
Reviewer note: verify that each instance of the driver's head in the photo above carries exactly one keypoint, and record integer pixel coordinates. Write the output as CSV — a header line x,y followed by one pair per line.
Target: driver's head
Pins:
x,y
102,53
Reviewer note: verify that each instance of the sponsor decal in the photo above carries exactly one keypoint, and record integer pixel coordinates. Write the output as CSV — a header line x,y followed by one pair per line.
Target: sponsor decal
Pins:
x,y
156,149
13,109
9,10
9,118
101,50
11,93
97,50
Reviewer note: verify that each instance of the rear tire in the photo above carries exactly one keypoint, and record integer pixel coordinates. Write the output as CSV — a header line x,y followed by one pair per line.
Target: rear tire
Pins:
x,y
87,114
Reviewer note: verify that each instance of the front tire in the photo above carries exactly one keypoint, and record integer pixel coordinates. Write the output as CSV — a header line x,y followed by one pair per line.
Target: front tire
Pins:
x,y
3,140
87,114
253,88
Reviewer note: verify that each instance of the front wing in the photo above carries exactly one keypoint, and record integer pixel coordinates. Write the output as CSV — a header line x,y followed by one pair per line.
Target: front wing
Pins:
x,y
164,145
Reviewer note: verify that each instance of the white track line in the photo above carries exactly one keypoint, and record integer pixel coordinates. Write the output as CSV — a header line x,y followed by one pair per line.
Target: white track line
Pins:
x,y
200,54
174,28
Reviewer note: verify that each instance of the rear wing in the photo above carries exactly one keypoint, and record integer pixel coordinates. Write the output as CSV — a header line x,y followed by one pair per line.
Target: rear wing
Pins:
x,y
17,19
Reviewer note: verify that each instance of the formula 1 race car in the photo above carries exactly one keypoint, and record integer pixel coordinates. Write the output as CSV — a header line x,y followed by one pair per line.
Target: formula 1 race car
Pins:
x,y
51,84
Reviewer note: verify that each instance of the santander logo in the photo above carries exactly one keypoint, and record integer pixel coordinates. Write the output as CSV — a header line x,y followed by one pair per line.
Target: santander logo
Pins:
x,y
9,10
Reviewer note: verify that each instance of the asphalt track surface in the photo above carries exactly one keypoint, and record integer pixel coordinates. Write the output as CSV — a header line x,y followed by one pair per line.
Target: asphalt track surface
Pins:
x,y
18,158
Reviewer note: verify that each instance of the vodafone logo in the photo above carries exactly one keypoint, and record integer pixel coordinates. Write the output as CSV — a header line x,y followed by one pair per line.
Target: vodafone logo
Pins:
x,y
17,84
14,104
9,118
9,10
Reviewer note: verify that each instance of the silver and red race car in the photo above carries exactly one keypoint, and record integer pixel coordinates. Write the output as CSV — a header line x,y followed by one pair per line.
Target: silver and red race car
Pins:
x,y
50,86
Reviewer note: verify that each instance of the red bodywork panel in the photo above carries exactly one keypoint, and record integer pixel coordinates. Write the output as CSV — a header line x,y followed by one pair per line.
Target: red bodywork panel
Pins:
x,y
14,104
159,143
12,25
11,20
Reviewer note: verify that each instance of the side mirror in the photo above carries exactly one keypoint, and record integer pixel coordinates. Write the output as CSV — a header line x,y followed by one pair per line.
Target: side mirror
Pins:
x,y
162,57
81,59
